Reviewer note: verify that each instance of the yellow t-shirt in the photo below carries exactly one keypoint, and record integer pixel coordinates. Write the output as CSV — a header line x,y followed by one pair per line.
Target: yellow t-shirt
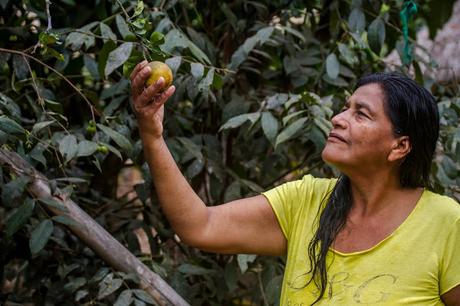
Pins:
x,y
414,265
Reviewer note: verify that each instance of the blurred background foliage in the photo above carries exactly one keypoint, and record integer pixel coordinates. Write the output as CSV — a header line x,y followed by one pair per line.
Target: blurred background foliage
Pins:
x,y
257,83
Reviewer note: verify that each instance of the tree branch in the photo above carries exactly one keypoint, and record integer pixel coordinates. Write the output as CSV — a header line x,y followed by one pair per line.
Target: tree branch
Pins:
x,y
93,234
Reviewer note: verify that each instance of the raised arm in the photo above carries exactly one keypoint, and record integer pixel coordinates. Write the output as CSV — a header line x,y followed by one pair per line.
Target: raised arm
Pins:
x,y
243,226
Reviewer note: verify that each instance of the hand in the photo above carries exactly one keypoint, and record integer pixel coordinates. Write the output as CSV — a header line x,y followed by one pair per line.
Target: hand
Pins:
x,y
148,102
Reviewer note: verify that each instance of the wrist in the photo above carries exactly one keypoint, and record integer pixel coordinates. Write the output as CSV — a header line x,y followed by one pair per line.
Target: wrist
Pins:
x,y
152,142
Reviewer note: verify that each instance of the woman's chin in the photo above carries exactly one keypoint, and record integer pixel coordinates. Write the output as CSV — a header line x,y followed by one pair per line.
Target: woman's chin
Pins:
x,y
330,156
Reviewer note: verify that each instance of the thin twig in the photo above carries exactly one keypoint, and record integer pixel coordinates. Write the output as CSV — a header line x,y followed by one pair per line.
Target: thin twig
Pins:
x,y
123,9
92,108
42,102
262,291
49,27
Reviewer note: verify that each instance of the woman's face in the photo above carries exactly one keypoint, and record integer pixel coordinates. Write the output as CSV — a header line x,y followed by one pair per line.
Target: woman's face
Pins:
x,y
361,137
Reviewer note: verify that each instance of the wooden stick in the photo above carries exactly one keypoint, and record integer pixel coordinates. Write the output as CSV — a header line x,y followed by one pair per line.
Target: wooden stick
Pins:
x,y
94,235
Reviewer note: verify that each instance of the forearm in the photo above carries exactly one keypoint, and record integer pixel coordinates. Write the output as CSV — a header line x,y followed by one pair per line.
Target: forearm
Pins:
x,y
186,212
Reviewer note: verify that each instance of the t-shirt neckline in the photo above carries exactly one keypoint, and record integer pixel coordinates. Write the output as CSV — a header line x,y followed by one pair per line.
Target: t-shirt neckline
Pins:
x,y
395,232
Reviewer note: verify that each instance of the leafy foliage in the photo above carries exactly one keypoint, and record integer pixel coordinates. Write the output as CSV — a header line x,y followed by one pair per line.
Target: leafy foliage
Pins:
x,y
268,73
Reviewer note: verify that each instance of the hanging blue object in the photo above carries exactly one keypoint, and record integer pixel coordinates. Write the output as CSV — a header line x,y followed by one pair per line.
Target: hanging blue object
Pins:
x,y
409,9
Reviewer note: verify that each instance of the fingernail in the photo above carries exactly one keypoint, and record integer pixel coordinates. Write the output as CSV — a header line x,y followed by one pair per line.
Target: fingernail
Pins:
x,y
160,81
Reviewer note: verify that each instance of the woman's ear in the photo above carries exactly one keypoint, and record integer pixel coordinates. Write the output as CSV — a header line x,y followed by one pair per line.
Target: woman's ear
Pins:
x,y
400,149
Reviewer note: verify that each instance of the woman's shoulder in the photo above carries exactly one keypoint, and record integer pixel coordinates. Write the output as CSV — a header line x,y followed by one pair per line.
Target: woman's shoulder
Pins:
x,y
442,206
315,181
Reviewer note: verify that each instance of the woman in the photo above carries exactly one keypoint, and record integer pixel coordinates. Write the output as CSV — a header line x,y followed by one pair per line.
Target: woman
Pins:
x,y
374,236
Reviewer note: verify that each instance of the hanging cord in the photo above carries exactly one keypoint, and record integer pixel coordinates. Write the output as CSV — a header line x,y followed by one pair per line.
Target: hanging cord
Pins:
x,y
409,9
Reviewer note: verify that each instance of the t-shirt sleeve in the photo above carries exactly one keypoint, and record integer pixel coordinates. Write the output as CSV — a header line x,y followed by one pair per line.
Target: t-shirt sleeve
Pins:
x,y
450,264
292,199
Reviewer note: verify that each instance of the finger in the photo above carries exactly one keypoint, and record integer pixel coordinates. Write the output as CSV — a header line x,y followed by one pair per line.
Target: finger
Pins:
x,y
137,69
163,98
137,84
158,102
151,93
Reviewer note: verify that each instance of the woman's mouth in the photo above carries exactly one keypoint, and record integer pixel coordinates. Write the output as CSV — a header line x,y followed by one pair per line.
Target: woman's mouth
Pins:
x,y
336,137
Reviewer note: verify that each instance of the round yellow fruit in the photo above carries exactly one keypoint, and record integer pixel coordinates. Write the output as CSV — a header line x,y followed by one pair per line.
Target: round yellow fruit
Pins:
x,y
160,69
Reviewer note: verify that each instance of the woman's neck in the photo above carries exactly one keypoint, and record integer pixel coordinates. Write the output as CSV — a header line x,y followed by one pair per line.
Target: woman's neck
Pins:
x,y
375,194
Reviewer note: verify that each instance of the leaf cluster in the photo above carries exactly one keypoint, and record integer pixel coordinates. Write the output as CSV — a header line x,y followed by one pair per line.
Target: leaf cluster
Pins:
x,y
266,73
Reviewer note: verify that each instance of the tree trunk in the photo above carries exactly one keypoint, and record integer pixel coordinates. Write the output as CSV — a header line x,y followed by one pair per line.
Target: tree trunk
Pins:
x,y
94,235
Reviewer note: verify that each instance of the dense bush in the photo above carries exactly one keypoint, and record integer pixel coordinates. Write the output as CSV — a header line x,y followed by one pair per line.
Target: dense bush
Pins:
x,y
257,83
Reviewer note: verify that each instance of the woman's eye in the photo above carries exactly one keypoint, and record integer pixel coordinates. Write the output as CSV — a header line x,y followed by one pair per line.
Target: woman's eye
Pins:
x,y
361,114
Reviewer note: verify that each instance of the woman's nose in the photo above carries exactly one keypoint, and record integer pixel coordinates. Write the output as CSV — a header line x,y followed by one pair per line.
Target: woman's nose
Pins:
x,y
338,121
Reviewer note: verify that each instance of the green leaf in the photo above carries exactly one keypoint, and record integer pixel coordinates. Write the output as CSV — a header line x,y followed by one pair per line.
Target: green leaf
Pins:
x,y
91,65
251,185
191,147
139,9
293,98
118,57
112,149
288,132
197,70
104,55
66,220
269,126
231,276
376,35
243,260
108,286
273,289
230,17
68,147
123,27
356,20
194,270
100,274
52,202
71,180
74,284
119,139
138,302
174,63
332,66
206,82
176,39
336,82
157,38
233,192
20,66
40,236
143,296
242,53
20,217
277,100
41,125
239,120
83,37
10,126
347,54
125,298
324,125
439,13
81,294
10,106
292,115
14,189
106,33
194,169
86,148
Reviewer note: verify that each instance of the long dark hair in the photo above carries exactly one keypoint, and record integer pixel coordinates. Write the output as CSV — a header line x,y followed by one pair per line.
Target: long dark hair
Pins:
x,y
413,112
